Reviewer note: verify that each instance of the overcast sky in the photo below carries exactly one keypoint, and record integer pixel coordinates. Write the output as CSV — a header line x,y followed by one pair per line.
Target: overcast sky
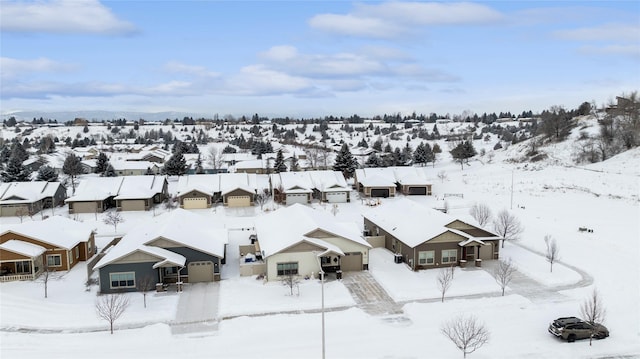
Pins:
x,y
315,58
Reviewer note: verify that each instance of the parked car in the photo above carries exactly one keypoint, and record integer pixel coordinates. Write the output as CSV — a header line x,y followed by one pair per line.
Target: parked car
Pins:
x,y
572,329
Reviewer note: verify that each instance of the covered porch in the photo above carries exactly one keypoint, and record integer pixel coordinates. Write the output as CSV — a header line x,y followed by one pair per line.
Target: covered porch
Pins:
x,y
20,260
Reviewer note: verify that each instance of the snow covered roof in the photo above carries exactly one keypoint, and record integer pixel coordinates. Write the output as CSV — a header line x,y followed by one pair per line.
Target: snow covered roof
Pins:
x,y
410,222
375,177
410,175
295,181
58,231
250,164
23,248
327,181
96,189
179,226
233,181
289,225
27,192
134,187
205,183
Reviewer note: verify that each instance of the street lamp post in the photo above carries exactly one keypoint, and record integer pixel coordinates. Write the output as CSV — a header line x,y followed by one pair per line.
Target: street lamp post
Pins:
x,y
322,286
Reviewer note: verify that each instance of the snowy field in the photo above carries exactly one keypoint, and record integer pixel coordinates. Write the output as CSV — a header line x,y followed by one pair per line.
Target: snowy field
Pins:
x,y
548,198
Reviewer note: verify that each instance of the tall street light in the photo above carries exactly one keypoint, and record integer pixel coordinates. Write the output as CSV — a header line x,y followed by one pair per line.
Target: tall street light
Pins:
x,y
321,272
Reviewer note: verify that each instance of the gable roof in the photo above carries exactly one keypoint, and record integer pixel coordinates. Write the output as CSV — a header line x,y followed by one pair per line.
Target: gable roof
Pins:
x,y
205,183
410,222
375,177
141,187
97,189
27,192
232,181
289,225
327,181
23,248
180,226
57,231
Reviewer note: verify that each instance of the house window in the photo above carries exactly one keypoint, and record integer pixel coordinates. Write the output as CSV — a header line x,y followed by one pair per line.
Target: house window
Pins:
x,y
288,268
23,267
449,256
325,260
89,248
77,252
54,260
122,280
426,258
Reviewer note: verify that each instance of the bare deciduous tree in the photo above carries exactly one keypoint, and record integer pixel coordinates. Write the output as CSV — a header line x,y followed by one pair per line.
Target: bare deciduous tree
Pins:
x,y
504,273
111,306
171,203
215,157
552,253
444,279
335,209
21,213
262,198
144,286
313,156
481,213
442,175
593,311
291,281
48,274
466,333
113,219
507,226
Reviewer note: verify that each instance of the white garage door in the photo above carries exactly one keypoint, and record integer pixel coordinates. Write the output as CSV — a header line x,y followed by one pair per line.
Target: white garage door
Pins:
x,y
336,197
200,272
238,201
351,262
296,198
195,203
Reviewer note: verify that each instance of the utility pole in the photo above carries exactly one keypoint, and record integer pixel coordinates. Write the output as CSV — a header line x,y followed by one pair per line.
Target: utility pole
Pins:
x,y
322,279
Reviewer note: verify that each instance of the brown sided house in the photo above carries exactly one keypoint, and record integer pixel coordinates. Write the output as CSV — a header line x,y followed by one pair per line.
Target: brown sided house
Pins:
x,y
56,243
30,197
426,238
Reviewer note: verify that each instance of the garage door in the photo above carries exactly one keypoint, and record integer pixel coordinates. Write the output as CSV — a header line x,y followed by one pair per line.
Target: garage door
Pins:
x,y
418,190
10,210
336,197
239,201
194,203
133,205
297,198
84,207
351,262
380,192
200,272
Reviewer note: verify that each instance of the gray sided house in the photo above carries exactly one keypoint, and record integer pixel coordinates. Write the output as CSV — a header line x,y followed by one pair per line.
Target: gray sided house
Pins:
x,y
426,238
30,197
178,246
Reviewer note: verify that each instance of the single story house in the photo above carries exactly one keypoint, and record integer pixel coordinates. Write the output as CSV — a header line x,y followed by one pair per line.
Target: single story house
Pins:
x,y
177,246
330,186
238,189
300,240
56,244
95,194
292,187
141,193
426,238
30,197
375,182
198,191
412,180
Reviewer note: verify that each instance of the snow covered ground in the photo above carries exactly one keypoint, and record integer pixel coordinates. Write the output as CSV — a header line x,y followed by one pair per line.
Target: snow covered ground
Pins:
x,y
549,198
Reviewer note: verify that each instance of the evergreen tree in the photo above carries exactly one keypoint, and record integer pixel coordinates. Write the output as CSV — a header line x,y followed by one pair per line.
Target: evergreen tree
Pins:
x,y
462,152
199,169
176,165
419,155
5,154
72,167
436,133
18,151
109,171
388,149
294,166
345,162
279,165
407,155
377,145
47,173
101,163
429,155
15,172
373,161
396,156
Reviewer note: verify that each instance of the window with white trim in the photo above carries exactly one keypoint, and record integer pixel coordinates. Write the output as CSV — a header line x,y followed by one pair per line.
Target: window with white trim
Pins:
x,y
449,256
288,268
123,280
54,260
426,257
77,252
23,267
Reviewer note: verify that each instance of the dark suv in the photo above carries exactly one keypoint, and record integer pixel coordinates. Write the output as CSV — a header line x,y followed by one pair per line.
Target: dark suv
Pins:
x,y
572,328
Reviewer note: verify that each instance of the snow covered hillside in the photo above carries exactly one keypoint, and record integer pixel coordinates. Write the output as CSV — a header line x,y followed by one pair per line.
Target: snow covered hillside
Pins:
x,y
246,318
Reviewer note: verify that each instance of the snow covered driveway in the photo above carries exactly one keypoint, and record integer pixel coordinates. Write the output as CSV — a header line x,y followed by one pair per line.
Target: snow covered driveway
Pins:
x,y
197,308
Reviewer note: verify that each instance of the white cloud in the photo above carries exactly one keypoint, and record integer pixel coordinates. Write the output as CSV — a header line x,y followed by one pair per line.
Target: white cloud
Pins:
x,y
388,20
191,70
257,80
62,16
12,67
607,32
632,50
